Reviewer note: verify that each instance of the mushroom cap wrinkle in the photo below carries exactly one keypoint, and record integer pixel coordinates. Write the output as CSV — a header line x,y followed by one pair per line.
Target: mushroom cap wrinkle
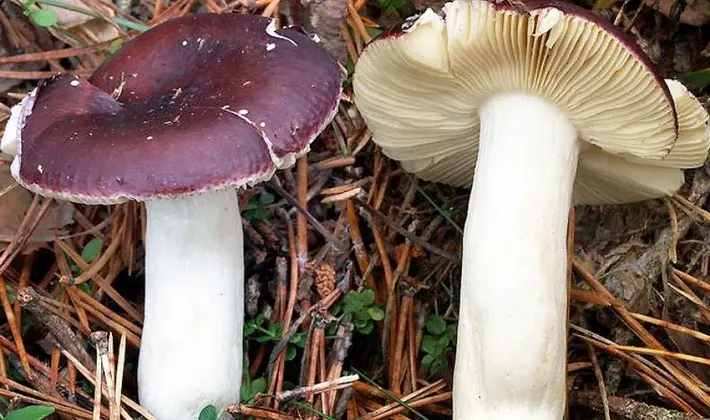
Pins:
x,y
420,88
195,104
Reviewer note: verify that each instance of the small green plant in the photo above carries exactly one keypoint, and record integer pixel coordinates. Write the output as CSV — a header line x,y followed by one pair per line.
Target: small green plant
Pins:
x,y
361,309
248,391
92,249
115,45
436,344
49,17
257,329
41,17
394,7
258,205
696,80
89,253
208,413
31,412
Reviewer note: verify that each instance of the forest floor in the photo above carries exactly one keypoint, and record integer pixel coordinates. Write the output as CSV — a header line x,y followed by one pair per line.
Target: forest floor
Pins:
x,y
368,334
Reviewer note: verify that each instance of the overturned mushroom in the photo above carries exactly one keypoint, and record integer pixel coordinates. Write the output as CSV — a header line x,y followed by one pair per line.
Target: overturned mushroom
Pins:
x,y
548,104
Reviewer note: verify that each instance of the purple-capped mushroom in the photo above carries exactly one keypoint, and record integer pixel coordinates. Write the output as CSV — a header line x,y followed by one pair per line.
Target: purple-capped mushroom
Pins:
x,y
178,118
551,106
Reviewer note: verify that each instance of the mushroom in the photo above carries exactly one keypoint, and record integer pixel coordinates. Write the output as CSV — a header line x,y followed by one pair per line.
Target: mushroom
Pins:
x,y
178,118
548,104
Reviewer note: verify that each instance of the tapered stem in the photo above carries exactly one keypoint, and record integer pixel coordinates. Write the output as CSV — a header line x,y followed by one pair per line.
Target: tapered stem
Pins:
x,y
191,350
511,342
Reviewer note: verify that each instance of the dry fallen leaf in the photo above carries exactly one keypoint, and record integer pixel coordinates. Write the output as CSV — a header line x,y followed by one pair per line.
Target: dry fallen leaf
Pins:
x,y
82,26
14,202
325,19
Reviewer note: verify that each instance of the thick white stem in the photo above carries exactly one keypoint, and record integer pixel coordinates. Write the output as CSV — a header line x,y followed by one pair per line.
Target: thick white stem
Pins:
x,y
511,342
191,350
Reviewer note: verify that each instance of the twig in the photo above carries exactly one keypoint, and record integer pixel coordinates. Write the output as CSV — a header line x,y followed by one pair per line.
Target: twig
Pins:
x,y
316,336
429,247
98,386
683,376
276,377
78,412
27,265
15,329
675,327
400,333
316,224
422,403
32,218
657,378
54,54
31,300
302,228
101,341
339,383
38,380
358,246
588,296
119,370
401,401
342,196
261,413
413,349
102,282
301,221
600,380
93,306
97,311
410,401
665,353
395,319
337,358
692,280
91,378
335,162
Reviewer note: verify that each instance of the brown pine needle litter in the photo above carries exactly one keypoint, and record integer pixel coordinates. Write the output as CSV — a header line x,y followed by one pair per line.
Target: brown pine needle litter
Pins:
x,y
353,272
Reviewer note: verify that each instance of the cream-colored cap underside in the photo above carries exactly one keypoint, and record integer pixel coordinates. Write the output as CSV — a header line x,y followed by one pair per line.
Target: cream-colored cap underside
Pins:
x,y
419,94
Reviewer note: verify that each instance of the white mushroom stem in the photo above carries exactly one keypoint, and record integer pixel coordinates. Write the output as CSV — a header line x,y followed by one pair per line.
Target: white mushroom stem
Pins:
x,y
191,350
511,342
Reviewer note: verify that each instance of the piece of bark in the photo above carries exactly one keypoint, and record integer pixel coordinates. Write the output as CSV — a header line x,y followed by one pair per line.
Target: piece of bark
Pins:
x,y
695,13
629,409
29,299
325,18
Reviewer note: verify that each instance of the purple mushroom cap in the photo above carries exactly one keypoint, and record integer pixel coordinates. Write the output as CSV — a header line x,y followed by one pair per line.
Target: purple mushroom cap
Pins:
x,y
197,103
